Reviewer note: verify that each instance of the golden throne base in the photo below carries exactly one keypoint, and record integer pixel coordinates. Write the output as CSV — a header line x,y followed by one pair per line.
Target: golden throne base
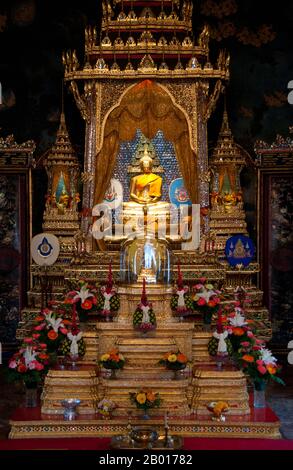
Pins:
x,y
194,426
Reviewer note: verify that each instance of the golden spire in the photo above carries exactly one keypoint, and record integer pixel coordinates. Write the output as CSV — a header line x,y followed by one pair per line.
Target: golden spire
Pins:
x,y
62,148
226,150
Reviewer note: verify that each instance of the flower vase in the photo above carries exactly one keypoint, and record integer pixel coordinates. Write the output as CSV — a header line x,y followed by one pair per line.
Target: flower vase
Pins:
x,y
31,395
259,394
207,321
113,375
145,416
177,374
106,415
73,358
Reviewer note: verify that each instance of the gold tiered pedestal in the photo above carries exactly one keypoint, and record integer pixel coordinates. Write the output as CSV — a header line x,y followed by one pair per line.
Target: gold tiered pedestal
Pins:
x,y
81,383
212,385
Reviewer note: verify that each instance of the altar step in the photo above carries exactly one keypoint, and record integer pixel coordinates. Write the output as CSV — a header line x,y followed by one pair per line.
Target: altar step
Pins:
x,y
31,424
147,350
211,385
200,342
173,394
81,383
92,345
148,372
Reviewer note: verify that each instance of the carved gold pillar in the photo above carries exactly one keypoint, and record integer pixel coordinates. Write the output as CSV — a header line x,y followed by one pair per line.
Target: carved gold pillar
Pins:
x,y
91,90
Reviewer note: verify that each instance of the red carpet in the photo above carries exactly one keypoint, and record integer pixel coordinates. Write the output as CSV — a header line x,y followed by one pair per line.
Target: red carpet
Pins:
x,y
104,444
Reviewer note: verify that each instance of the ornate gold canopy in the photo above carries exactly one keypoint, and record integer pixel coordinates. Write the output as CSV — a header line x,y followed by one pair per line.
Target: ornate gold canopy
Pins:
x,y
149,107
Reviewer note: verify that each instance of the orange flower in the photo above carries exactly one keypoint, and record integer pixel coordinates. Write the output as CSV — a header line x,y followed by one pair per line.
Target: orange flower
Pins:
x,y
151,396
39,318
43,356
248,358
114,357
52,335
271,369
238,331
87,305
68,301
114,351
66,322
181,358
166,355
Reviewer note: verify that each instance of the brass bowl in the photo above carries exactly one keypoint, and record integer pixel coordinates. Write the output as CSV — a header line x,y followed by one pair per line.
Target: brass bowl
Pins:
x,y
144,435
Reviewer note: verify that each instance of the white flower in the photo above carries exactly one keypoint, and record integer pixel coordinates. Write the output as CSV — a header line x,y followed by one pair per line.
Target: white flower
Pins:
x,y
106,405
83,294
29,356
53,322
267,357
239,320
206,294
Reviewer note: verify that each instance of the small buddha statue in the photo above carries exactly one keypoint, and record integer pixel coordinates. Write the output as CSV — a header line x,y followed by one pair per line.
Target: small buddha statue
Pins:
x,y
146,188
64,198
63,202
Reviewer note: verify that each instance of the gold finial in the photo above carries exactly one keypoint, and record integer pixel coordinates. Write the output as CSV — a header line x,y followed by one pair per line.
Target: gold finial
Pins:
x,y
225,123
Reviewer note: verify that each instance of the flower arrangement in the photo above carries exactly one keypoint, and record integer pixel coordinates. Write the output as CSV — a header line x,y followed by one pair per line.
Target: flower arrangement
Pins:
x,y
73,345
181,301
112,360
30,363
258,363
174,360
106,407
50,328
108,299
220,345
85,299
145,399
238,329
144,318
218,408
206,299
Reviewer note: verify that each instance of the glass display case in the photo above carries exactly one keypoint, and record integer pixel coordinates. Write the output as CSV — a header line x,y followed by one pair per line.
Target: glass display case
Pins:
x,y
145,257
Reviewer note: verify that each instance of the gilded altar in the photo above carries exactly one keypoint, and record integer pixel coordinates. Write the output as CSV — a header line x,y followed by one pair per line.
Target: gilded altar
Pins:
x,y
146,150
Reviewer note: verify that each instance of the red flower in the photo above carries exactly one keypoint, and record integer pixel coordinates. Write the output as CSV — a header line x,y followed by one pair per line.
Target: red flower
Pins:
x,y
21,368
212,303
28,340
201,302
87,305
52,335
262,370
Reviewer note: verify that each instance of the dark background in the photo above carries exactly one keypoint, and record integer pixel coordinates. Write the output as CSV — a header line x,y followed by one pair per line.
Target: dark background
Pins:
x,y
33,34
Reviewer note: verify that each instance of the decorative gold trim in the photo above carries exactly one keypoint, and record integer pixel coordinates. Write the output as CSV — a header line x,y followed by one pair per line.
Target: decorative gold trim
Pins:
x,y
179,427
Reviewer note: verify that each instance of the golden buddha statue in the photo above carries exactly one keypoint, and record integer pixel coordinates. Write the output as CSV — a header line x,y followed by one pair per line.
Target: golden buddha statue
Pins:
x,y
146,188
63,202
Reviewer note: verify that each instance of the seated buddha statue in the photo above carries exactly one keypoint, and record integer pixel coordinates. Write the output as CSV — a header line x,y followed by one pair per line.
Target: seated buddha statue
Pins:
x,y
146,188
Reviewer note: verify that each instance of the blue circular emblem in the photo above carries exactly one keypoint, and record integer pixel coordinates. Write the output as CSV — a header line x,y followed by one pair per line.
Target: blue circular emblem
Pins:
x,y
178,193
45,248
239,250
